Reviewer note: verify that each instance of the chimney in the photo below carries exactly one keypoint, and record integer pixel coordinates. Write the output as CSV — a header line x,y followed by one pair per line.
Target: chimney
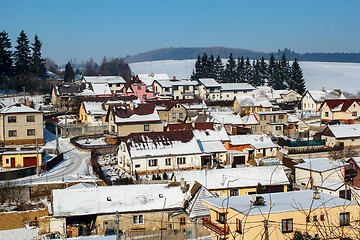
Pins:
x,y
131,105
316,195
174,78
99,75
323,89
182,183
259,201
28,103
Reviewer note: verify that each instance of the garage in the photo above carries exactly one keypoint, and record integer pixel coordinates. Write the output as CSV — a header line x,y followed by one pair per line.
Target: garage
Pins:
x,y
29,161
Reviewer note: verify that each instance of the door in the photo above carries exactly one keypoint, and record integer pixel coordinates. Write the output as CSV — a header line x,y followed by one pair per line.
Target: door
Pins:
x,y
12,160
29,161
239,160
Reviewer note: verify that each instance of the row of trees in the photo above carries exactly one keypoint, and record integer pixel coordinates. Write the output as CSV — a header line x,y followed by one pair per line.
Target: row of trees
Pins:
x,y
112,67
23,67
276,74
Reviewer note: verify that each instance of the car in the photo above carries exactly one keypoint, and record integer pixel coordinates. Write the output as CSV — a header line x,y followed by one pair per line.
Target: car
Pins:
x,y
334,122
109,231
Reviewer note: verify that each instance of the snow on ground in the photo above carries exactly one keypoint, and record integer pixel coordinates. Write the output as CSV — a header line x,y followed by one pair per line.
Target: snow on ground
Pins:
x,y
331,75
113,237
20,233
90,141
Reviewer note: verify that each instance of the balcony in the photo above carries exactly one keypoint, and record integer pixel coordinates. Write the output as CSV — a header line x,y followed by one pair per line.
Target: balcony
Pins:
x,y
214,227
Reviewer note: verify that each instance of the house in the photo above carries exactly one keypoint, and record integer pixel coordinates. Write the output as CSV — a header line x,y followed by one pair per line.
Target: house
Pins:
x,y
283,96
65,97
177,89
92,112
115,83
347,136
231,90
191,105
254,145
137,88
344,110
313,172
170,111
232,122
21,158
20,125
124,119
237,181
148,208
247,104
272,122
53,78
209,89
312,100
149,79
250,121
160,151
283,213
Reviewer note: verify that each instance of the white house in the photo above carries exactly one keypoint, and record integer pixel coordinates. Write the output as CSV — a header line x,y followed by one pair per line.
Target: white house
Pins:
x,y
312,100
149,79
231,90
115,83
342,135
178,89
209,89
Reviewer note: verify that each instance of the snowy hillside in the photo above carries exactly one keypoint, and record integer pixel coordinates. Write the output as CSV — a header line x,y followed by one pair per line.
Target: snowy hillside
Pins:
x,y
345,76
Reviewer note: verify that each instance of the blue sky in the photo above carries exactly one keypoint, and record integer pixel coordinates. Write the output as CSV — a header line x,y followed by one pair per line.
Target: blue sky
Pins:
x,y
80,29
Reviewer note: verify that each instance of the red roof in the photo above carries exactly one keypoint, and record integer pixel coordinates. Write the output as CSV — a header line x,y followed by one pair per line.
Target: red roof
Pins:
x,y
346,103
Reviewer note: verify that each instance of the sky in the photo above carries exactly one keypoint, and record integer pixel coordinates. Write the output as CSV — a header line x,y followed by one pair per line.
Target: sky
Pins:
x,y
80,29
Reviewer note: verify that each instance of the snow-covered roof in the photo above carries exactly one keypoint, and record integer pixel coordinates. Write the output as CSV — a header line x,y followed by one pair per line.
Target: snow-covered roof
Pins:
x,y
209,83
320,95
139,113
271,112
236,87
148,79
280,202
212,147
217,134
345,131
250,119
227,118
319,164
162,144
81,185
104,79
249,101
95,108
18,108
330,184
258,141
182,82
101,88
128,198
236,177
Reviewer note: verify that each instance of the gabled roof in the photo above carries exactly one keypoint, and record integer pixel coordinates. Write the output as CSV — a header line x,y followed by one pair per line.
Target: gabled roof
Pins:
x,y
18,108
140,113
124,199
101,89
95,108
258,141
321,95
171,83
69,89
148,79
235,177
344,131
189,126
162,144
248,101
340,105
236,87
227,118
250,119
104,79
216,134
209,83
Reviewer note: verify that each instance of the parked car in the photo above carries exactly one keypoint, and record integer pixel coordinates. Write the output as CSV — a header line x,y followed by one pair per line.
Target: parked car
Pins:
x,y
334,122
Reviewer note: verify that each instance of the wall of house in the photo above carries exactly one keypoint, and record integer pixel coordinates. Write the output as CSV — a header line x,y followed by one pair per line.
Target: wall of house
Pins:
x,y
332,141
124,130
252,225
179,111
19,159
230,95
302,177
21,126
82,114
308,104
13,220
153,220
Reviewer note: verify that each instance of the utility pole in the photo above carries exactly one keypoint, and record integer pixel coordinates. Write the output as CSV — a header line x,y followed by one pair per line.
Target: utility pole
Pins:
x,y
37,158
57,152
117,225
266,227
66,125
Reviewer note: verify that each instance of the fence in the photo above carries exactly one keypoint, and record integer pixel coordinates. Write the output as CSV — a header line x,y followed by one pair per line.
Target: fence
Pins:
x,y
73,130
309,143
52,163
18,173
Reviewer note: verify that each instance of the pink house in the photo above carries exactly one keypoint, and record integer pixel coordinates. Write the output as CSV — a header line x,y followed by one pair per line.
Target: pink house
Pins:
x,y
137,88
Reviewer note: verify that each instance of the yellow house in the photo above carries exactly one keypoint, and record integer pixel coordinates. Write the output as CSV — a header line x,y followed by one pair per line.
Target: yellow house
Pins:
x,y
344,110
92,112
280,215
19,159
247,104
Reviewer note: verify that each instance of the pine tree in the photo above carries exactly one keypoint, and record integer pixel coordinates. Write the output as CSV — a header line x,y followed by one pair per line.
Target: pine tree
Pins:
x,y
240,70
272,72
219,70
6,69
263,71
211,67
198,71
297,78
230,70
285,71
38,63
22,59
248,70
255,76
205,66
69,75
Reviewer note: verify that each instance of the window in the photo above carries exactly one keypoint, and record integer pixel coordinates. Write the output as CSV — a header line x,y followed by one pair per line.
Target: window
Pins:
x,y
175,88
315,219
137,165
281,116
354,113
180,115
234,192
262,117
326,114
118,85
146,128
221,217
322,217
11,119
307,219
144,96
31,132
174,115
12,133
167,161
113,128
238,226
182,222
253,128
287,225
278,128
30,118
110,84
7,161
344,219
138,219
152,162
263,128
138,87
181,160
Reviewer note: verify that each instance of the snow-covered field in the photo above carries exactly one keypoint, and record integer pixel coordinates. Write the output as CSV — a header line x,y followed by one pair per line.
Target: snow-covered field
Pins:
x,y
344,76
19,234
